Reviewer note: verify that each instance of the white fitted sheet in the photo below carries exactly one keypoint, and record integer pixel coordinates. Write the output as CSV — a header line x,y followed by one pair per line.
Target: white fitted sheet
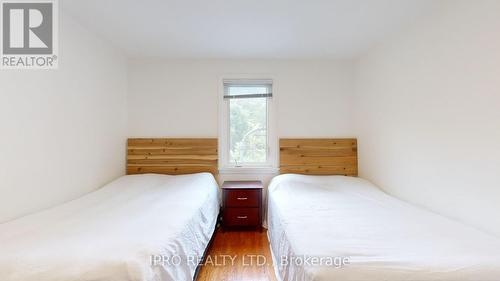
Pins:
x,y
383,237
111,233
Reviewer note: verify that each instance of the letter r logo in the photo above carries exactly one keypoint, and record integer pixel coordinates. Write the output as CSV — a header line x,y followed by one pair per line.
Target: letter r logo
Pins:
x,y
27,28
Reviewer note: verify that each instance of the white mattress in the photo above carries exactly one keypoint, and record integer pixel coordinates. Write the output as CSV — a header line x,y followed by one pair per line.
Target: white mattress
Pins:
x,y
383,238
112,233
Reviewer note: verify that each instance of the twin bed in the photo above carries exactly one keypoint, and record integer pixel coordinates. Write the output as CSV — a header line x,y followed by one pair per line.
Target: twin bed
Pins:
x,y
115,233
363,234
324,223
141,227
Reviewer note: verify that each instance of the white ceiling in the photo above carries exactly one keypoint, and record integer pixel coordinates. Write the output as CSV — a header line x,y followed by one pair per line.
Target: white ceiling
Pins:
x,y
245,29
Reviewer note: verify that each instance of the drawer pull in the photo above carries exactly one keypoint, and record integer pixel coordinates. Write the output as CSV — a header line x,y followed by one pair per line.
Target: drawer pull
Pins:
x,y
242,198
242,217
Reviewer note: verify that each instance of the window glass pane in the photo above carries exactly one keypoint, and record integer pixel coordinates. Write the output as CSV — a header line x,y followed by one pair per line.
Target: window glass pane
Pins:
x,y
248,130
247,90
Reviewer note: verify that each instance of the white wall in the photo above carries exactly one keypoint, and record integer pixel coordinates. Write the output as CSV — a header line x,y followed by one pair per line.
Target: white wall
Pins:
x,y
428,113
179,98
63,131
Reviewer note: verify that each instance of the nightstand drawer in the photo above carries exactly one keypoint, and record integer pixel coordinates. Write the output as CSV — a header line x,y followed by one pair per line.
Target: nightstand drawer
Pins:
x,y
241,217
242,198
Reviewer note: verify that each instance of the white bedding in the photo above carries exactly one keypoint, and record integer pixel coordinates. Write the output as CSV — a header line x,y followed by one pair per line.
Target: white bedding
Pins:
x,y
382,237
112,233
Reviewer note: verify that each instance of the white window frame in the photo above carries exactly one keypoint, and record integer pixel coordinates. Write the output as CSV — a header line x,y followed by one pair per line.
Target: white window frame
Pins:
x,y
225,166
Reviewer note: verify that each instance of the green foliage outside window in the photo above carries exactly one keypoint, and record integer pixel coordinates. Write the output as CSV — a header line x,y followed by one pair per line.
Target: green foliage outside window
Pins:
x,y
248,130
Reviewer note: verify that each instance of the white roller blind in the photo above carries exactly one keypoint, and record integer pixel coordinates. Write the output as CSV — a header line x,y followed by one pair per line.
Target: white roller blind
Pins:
x,y
238,89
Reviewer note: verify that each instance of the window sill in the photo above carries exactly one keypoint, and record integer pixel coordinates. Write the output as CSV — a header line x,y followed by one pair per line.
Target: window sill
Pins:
x,y
248,170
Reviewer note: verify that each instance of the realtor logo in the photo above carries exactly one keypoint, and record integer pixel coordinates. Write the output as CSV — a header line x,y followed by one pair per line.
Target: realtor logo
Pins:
x,y
29,33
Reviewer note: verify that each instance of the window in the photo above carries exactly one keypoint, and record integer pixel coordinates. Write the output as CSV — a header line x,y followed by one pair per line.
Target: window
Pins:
x,y
246,139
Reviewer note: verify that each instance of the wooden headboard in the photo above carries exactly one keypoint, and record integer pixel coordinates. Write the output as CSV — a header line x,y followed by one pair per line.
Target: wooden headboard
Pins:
x,y
319,156
172,156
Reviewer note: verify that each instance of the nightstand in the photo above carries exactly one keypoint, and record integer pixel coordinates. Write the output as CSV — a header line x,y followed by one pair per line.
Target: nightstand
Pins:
x,y
242,204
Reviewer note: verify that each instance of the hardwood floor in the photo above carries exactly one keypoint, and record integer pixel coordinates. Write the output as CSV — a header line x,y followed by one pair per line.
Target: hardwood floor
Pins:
x,y
238,256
